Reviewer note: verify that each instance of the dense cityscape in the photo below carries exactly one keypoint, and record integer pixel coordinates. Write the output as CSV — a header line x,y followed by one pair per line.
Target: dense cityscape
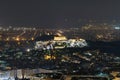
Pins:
x,y
59,40
91,31
31,53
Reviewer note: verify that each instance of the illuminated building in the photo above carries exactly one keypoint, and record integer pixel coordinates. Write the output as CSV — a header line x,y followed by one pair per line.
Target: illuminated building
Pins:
x,y
6,76
49,57
47,42
60,38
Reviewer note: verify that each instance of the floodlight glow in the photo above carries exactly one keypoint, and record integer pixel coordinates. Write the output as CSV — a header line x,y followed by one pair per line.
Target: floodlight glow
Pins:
x,y
117,27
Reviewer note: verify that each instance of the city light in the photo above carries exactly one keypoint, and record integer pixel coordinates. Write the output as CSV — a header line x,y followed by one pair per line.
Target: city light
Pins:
x,y
49,57
17,39
28,50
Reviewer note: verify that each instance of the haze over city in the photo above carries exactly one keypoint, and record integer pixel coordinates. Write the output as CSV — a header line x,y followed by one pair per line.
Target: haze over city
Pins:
x,y
60,13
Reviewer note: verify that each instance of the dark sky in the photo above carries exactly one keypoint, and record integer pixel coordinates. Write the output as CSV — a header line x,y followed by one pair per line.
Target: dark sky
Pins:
x,y
56,12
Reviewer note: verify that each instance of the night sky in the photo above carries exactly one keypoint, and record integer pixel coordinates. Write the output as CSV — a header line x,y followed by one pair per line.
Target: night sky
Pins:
x,y
57,12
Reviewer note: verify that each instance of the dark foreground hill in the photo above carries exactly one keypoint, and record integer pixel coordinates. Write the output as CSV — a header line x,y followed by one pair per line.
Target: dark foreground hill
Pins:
x,y
108,47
